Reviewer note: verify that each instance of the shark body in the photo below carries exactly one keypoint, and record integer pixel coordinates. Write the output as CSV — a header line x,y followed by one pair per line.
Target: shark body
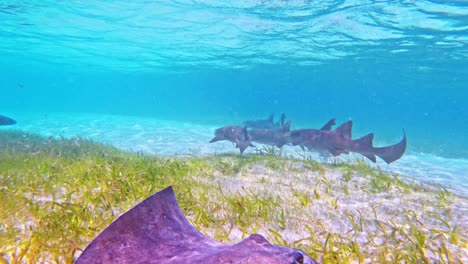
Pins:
x,y
274,137
339,141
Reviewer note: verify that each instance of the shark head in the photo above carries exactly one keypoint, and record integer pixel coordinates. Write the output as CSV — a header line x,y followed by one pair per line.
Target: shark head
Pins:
x,y
235,134
219,135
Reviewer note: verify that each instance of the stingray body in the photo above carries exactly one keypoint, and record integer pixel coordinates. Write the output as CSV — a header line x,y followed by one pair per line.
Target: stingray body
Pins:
x,y
265,123
4,121
339,141
274,137
235,134
156,231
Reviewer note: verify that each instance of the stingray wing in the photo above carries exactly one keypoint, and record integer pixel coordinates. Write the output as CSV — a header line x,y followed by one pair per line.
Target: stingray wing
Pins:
x,y
151,232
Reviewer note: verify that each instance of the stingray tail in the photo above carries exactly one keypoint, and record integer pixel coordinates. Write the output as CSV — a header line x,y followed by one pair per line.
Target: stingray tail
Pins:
x,y
391,153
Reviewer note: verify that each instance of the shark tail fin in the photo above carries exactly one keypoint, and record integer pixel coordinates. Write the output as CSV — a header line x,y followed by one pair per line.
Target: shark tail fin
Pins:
x,y
329,124
287,126
345,129
391,153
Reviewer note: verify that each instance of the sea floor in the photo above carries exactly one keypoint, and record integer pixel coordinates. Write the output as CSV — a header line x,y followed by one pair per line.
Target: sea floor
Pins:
x,y
165,137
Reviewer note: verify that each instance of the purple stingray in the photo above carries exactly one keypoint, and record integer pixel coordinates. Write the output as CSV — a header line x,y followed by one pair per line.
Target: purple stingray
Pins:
x,y
4,121
235,134
339,141
156,231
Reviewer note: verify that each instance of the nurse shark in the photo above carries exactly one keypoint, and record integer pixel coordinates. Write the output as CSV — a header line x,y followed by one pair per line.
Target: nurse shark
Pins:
x,y
156,231
339,141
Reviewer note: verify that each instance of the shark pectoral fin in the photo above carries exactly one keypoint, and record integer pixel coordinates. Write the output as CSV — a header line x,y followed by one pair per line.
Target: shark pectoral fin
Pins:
x,y
329,124
252,145
242,149
243,145
345,129
215,139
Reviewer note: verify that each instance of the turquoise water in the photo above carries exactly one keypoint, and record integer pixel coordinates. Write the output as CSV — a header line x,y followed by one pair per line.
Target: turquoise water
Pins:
x,y
387,65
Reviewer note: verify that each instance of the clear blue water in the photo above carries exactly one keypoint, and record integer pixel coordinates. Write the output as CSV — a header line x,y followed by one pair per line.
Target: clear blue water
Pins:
x,y
386,65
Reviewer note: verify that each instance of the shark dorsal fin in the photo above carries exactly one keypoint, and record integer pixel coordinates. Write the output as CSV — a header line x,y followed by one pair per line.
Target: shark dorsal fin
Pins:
x,y
345,129
329,124
366,140
287,126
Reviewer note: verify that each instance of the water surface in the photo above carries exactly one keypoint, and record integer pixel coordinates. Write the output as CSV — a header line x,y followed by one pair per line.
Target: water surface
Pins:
x,y
387,65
